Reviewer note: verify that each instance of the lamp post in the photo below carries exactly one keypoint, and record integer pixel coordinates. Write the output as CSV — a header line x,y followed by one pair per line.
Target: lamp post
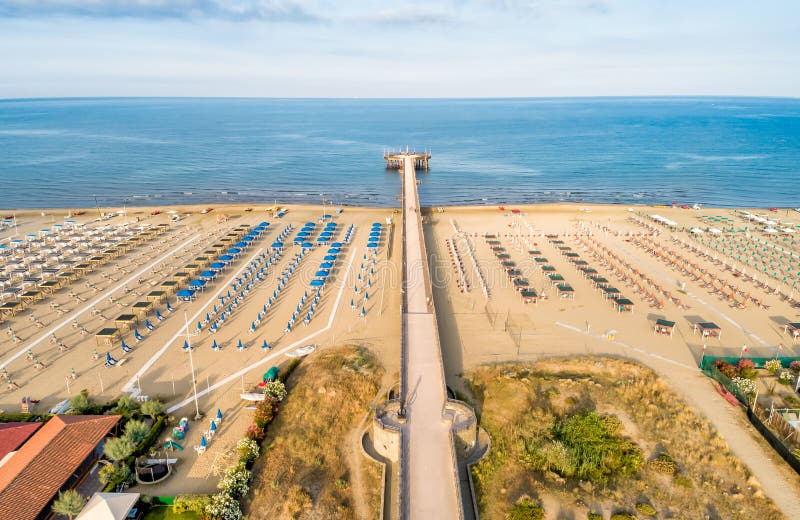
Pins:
x,y
191,364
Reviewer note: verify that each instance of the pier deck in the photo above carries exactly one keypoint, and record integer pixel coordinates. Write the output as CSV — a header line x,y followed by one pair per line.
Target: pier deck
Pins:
x,y
429,486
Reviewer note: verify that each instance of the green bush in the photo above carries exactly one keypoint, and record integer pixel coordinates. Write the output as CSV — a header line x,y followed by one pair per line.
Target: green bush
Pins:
x,y
81,403
194,503
594,516
643,508
136,431
683,481
526,509
586,446
623,515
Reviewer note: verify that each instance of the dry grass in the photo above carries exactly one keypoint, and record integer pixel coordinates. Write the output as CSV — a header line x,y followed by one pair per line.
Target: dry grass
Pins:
x,y
304,469
517,399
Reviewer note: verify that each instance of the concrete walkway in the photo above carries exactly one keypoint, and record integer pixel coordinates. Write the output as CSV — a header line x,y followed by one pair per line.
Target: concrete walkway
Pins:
x,y
429,481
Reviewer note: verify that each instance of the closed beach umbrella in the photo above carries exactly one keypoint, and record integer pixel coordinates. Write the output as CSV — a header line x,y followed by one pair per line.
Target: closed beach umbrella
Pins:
x,y
265,346
240,345
203,441
186,345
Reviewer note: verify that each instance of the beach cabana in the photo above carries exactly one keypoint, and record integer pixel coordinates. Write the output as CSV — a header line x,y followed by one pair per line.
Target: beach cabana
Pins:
x,y
623,304
126,321
708,329
529,296
793,329
198,284
565,291
665,327
186,295
107,337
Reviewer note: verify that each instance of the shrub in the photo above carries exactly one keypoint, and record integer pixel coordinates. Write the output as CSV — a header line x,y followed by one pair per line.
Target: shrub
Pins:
x,y
745,386
786,378
730,371
69,503
663,464
136,431
111,474
153,408
222,506
645,509
248,451
772,366
80,403
745,364
236,481
276,389
594,516
597,449
194,503
794,366
623,515
525,509
683,481
118,449
126,406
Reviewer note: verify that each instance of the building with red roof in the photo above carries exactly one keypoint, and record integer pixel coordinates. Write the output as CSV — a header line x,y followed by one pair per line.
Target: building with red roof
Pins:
x,y
55,458
13,435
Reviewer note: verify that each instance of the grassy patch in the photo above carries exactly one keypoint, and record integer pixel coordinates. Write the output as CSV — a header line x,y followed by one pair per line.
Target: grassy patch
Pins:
x,y
167,513
303,471
603,434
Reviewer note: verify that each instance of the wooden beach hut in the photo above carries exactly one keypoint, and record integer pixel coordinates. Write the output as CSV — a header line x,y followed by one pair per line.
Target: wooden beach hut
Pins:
x,y
793,329
623,304
107,337
664,327
126,321
708,329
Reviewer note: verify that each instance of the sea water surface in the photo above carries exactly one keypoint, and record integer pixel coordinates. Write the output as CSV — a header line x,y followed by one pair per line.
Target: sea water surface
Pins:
x,y
160,151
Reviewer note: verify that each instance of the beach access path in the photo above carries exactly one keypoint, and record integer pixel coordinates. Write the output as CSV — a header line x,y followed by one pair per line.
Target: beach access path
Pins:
x,y
428,486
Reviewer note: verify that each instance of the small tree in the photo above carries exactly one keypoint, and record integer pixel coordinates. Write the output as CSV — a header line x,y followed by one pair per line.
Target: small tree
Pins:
x,y
69,504
126,406
80,403
224,507
118,449
135,431
153,408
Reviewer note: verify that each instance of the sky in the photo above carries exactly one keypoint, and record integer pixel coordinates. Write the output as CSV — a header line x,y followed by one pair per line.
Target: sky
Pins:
x,y
369,48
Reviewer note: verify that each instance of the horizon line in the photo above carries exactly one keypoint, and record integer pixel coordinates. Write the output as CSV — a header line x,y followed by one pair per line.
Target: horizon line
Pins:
x,y
434,98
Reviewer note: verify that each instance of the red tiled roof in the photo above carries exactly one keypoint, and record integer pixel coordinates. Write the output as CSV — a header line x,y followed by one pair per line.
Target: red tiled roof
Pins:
x,y
33,475
13,434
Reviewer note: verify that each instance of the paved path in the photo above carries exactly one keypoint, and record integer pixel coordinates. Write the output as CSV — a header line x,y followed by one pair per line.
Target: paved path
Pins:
x,y
429,482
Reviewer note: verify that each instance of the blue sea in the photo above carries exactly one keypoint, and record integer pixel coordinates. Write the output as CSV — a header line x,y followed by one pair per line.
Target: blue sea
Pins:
x,y
113,151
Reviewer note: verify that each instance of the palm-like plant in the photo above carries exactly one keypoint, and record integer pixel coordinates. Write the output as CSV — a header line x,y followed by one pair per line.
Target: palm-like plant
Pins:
x,y
152,408
118,449
126,405
69,504
135,431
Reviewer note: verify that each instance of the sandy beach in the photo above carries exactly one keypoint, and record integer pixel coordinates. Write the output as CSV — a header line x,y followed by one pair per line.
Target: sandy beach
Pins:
x,y
476,327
